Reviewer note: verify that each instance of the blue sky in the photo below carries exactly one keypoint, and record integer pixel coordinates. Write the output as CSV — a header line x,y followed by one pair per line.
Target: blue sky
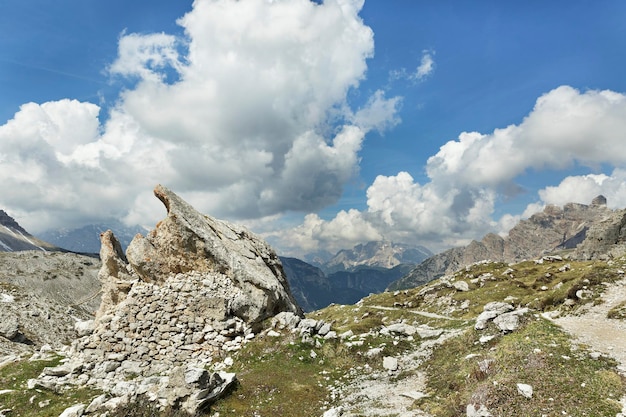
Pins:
x,y
318,126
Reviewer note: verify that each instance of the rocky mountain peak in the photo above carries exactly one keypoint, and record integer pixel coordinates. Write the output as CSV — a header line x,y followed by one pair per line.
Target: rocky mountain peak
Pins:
x,y
599,201
13,237
587,231
383,254
9,222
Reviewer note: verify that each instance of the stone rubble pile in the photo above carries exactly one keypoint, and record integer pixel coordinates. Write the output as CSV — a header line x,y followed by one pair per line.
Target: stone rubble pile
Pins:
x,y
179,300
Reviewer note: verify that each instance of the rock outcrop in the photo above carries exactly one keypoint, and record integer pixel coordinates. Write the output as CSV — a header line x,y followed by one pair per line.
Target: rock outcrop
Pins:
x,y
180,299
589,231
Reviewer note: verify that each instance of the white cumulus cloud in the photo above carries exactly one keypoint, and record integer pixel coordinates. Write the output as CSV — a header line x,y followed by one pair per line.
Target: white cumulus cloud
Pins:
x,y
466,177
246,115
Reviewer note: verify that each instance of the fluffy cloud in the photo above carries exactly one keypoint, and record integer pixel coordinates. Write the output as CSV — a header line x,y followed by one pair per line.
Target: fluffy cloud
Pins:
x,y
426,66
583,188
245,116
566,128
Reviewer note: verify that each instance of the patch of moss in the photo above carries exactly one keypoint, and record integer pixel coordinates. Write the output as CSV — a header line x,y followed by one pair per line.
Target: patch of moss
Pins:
x,y
618,312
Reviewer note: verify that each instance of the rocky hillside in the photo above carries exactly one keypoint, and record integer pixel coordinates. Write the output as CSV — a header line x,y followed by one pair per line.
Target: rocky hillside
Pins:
x,y
42,296
382,254
584,231
14,238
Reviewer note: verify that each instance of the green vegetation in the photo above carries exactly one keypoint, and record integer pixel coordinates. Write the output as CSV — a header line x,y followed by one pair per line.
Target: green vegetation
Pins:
x,y
618,312
286,377
543,287
36,402
565,380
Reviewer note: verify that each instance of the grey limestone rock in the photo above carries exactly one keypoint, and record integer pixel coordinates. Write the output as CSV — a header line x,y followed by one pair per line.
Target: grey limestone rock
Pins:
x,y
193,288
74,411
390,363
490,312
9,328
187,240
401,329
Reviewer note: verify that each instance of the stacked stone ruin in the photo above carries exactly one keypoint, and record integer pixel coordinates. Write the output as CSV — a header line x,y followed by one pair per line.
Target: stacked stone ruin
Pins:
x,y
173,308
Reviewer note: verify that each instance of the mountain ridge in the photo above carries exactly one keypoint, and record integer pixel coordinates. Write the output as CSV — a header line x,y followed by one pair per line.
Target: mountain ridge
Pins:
x,y
14,237
582,231
383,253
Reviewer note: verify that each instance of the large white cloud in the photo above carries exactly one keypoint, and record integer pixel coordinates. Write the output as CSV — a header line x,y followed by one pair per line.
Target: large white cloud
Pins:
x,y
467,177
565,127
246,116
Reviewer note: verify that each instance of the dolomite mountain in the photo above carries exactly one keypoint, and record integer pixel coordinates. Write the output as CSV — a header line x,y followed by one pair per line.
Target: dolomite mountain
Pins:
x,y
14,238
580,230
314,289
377,254
191,290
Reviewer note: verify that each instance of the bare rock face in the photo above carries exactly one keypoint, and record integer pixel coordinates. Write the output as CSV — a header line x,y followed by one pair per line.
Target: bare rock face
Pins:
x,y
114,274
606,238
187,240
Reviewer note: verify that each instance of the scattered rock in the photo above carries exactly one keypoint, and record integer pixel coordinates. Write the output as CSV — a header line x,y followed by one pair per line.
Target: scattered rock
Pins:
x,y
401,329
374,352
333,412
525,390
491,311
482,411
286,320
84,327
96,403
74,411
390,363
461,286
9,328
509,322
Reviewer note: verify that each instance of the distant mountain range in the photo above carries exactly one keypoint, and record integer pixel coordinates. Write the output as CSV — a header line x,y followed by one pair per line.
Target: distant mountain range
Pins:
x,y
376,254
14,238
351,274
577,230
86,239
314,289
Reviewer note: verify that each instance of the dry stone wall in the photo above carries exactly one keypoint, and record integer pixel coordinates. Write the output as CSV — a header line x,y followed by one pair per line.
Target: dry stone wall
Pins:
x,y
157,327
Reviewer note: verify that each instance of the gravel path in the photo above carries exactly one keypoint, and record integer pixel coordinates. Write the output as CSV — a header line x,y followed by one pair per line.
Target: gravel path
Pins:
x,y
593,328
376,394
602,334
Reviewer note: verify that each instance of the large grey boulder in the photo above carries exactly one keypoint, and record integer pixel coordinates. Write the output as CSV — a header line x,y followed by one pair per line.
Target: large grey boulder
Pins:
x,y
187,241
9,328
